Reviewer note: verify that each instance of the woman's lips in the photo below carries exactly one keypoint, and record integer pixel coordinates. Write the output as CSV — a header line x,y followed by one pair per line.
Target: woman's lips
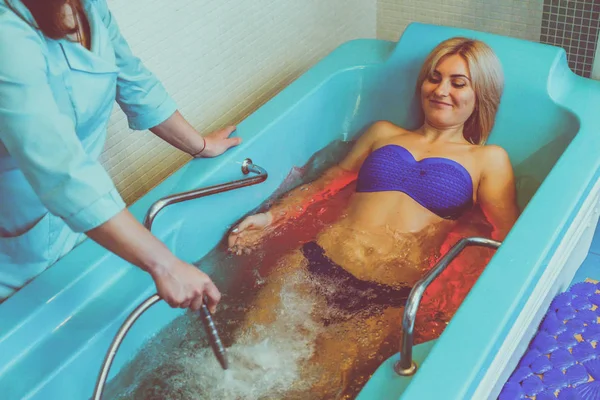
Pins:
x,y
439,104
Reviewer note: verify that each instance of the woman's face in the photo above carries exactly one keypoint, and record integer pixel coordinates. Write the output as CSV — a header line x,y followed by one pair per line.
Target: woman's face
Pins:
x,y
447,95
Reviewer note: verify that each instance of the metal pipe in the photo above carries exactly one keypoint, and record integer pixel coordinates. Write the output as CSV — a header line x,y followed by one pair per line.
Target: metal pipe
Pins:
x,y
118,339
406,366
209,325
247,167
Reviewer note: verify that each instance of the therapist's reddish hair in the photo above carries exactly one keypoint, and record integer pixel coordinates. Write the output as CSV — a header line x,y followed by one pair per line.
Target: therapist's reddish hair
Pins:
x,y
49,17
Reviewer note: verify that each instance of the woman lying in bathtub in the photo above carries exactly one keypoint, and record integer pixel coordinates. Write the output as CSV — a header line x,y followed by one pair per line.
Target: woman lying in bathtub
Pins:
x,y
411,187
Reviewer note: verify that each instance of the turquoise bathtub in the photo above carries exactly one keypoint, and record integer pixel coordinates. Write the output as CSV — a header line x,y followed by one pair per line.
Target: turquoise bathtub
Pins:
x,y
54,333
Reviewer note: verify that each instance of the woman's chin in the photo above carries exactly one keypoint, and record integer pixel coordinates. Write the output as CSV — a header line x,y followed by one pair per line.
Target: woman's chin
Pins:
x,y
438,121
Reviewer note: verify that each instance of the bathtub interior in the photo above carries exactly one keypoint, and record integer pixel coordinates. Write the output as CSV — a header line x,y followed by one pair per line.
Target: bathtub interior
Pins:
x,y
55,331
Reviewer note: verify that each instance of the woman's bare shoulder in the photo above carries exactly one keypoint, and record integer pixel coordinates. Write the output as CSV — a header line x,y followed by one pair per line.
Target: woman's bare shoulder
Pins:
x,y
493,157
381,130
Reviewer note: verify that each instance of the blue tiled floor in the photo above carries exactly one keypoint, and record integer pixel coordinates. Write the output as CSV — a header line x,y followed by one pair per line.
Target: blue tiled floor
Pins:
x,y
564,353
560,358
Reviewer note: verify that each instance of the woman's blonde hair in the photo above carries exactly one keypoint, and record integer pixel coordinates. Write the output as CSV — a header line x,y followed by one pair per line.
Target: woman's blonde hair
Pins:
x,y
486,77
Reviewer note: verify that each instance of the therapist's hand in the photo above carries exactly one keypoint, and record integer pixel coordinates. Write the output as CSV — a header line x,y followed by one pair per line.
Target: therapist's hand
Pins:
x,y
178,283
183,285
218,142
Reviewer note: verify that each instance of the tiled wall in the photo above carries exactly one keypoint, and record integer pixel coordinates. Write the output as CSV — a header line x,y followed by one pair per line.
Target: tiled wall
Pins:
x,y
518,18
596,68
573,25
220,60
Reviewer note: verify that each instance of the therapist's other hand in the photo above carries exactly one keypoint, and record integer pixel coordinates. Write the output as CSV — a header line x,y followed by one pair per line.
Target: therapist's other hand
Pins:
x,y
185,286
218,142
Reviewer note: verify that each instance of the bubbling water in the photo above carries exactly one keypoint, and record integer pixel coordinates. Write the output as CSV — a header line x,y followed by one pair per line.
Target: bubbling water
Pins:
x,y
265,361
268,367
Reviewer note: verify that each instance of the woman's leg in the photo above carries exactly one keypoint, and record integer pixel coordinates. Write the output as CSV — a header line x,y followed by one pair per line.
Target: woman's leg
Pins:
x,y
337,359
268,303
347,353
280,324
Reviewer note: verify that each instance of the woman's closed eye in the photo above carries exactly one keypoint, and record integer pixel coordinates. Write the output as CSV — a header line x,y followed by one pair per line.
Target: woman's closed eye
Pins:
x,y
456,83
434,79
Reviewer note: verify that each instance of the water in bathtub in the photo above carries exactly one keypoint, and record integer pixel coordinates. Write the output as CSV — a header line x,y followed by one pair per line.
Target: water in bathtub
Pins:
x,y
273,339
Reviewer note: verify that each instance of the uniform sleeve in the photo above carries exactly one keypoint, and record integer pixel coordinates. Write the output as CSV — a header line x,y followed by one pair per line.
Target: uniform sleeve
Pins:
x,y
139,93
41,140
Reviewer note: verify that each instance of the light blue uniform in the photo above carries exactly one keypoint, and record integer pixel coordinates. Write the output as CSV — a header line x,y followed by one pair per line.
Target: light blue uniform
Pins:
x,y
55,101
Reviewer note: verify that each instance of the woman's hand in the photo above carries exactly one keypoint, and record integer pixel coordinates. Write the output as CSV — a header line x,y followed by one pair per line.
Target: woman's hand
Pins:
x,y
179,133
249,233
178,283
183,285
218,142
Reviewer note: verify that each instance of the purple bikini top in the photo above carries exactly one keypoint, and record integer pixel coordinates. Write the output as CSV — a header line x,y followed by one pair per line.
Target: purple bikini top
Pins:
x,y
441,185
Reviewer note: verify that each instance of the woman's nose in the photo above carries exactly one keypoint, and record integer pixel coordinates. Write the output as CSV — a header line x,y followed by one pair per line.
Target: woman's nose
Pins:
x,y
442,89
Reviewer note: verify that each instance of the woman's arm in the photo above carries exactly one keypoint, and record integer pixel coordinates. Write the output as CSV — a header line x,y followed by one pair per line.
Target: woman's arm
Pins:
x,y
497,193
178,283
252,229
180,134
295,203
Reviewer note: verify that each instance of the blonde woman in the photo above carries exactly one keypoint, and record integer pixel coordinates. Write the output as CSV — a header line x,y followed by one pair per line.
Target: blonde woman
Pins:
x,y
411,188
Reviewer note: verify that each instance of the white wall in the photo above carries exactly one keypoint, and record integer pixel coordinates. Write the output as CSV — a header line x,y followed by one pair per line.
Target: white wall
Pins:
x,y
220,60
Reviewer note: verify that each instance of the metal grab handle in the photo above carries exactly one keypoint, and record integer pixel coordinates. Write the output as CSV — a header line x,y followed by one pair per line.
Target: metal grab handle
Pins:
x,y
247,167
118,339
209,325
406,366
